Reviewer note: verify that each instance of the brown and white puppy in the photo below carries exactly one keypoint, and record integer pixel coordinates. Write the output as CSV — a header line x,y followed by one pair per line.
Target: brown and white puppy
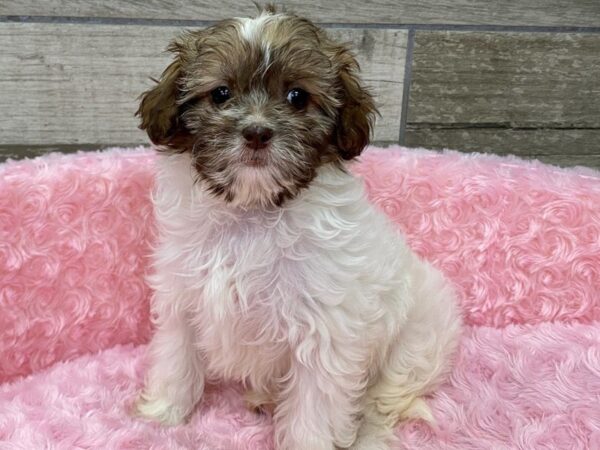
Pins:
x,y
272,267
239,87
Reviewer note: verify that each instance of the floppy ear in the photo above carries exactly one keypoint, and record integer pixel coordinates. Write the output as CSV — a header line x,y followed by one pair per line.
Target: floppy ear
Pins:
x,y
357,113
159,109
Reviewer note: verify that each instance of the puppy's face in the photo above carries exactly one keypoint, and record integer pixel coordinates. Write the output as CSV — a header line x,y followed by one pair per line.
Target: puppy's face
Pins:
x,y
260,104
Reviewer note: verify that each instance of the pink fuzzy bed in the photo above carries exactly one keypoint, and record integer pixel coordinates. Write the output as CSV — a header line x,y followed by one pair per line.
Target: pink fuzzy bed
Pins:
x,y
520,240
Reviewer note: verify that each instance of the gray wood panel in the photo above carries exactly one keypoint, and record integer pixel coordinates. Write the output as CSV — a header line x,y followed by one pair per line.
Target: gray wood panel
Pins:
x,y
524,93
473,12
592,161
567,147
76,84
516,79
25,151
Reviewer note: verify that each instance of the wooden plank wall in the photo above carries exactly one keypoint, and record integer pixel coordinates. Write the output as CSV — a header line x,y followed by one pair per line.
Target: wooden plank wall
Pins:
x,y
474,75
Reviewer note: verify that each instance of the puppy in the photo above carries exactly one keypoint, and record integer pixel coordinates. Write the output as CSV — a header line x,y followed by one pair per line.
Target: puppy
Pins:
x,y
272,268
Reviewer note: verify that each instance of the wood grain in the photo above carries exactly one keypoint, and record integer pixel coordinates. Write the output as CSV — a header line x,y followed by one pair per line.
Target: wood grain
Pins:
x,y
591,161
23,151
470,12
523,93
76,84
563,147
511,79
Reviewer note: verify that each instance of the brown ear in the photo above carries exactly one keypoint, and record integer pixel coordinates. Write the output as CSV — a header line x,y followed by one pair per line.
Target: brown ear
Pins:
x,y
357,113
159,108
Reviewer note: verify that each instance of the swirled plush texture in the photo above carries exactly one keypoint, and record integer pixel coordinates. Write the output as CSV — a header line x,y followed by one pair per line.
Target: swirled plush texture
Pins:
x,y
74,238
520,240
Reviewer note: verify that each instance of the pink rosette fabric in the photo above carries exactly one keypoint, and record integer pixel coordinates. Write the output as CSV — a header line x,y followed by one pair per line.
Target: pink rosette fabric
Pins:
x,y
520,241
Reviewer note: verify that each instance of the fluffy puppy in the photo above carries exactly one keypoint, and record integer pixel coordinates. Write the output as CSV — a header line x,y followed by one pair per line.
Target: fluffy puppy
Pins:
x,y
272,268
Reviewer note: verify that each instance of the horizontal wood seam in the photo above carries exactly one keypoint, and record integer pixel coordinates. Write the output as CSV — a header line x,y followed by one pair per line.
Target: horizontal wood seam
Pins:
x,y
493,126
205,23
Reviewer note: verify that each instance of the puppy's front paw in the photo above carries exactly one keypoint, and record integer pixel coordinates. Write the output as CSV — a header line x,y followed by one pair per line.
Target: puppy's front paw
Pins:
x,y
370,443
160,409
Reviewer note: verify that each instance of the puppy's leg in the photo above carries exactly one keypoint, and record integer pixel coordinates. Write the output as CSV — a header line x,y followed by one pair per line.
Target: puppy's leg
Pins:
x,y
317,410
374,432
175,380
416,363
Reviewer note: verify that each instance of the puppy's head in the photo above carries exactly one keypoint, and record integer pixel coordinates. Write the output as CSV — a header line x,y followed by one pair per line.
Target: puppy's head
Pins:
x,y
260,104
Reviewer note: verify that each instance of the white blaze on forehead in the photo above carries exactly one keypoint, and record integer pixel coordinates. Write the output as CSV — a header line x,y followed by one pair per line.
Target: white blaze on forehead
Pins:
x,y
252,30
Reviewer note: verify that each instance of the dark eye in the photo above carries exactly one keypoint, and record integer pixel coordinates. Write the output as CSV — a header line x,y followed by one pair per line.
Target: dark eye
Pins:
x,y
297,97
220,94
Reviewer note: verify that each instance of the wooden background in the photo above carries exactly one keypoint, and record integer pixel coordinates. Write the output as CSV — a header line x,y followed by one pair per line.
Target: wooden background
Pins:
x,y
520,77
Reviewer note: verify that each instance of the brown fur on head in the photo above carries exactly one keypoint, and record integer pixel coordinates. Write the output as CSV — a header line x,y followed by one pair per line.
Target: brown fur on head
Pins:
x,y
293,102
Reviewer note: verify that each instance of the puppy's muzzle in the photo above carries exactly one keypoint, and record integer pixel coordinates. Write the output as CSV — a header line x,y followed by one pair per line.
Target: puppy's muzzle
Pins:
x,y
257,136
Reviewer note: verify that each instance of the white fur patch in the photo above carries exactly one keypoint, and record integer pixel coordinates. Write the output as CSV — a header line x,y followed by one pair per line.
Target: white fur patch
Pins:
x,y
318,304
251,29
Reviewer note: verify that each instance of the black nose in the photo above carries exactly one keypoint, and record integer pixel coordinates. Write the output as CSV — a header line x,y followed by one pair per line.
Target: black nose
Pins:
x,y
257,136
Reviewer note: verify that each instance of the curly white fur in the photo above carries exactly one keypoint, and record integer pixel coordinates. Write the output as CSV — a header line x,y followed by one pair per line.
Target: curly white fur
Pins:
x,y
318,306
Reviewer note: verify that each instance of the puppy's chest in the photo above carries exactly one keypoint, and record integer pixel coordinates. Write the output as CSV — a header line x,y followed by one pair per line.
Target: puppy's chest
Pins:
x,y
249,294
